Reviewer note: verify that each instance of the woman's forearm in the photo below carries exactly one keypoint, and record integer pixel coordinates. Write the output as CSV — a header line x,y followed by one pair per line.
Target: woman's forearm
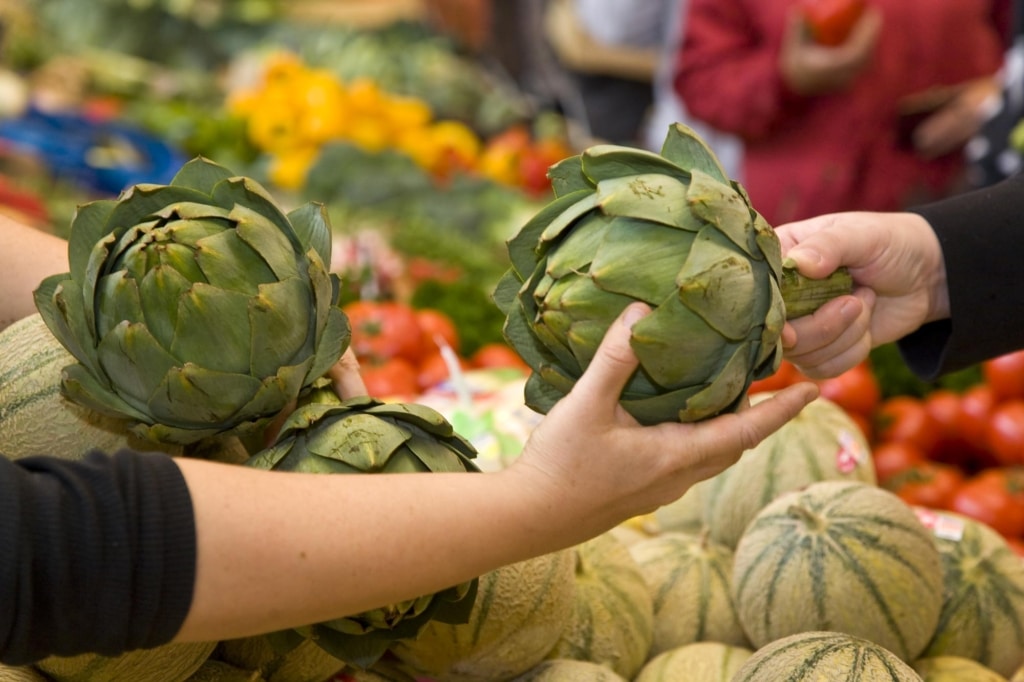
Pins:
x,y
27,255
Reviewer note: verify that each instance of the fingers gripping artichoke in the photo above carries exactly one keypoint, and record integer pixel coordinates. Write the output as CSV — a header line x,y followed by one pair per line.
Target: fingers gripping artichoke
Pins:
x,y
670,230
195,308
364,435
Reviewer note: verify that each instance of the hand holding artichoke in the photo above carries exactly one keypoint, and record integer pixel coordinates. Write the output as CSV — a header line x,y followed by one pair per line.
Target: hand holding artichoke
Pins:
x,y
670,230
195,308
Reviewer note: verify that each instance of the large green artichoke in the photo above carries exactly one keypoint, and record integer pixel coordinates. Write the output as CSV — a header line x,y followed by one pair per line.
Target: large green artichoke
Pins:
x,y
671,230
365,435
195,308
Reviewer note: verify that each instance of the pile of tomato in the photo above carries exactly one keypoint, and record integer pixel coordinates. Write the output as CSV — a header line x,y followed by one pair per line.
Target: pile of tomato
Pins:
x,y
961,451
403,351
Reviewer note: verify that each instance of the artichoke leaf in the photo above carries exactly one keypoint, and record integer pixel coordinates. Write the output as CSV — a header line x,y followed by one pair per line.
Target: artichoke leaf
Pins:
x,y
426,418
323,298
201,174
276,391
663,407
522,248
719,205
95,268
333,342
81,386
519,334
160,290
243,192
280,325
360,440
683,147
271,457
193,210
66,322
719,285
641,259
658,198
228,262
540,396
213,325
577,250
565,220
428,454
567,176
267,240
313,228
118,300
191,396
304,416
606,161
181,257
140,203
768,243
676,346
584,337
504,294
774,320
728,386
91,226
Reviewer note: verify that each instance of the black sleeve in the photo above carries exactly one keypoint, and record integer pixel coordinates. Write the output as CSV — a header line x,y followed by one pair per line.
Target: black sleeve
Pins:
x,y
982,238
98,555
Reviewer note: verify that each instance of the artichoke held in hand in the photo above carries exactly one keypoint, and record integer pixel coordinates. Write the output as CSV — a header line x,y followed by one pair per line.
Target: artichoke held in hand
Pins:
x,y
673,231
195,308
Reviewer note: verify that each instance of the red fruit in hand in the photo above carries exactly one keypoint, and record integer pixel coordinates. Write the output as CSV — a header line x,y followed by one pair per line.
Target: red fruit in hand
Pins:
x,y
830,21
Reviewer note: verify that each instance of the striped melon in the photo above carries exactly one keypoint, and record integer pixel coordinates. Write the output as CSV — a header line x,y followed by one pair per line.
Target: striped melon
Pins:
x,y
34,417
840,556
613,614
954,669
821,656
305,663
520,612
569,670
166,663
983,611
219,671
690,579
822,443
21,674
697,662
685,515
1019,675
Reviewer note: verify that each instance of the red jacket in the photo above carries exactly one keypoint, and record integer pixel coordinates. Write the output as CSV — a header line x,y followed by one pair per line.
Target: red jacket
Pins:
x,y
805,156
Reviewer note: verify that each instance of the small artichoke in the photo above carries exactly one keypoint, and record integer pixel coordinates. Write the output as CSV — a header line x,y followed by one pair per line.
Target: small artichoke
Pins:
x,y
365,435
195,308
671,230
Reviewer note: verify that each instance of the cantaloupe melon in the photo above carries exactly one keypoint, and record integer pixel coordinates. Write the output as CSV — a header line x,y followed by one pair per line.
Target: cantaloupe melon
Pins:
x,y
690,579
305,663
166,663
840,556
613,613
821,656
520,612
697,662
34,417
954,669
10,673
219,671
569,670
822,443
1019,675
983,607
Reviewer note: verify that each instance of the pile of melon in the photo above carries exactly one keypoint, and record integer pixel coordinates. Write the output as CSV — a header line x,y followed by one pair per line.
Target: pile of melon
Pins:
x,y
791,565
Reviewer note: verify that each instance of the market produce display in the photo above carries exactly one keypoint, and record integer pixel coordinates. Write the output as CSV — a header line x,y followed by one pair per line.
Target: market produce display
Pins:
x,y
879,536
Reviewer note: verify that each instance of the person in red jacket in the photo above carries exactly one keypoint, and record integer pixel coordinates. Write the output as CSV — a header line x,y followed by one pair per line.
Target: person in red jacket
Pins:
x,y
876,122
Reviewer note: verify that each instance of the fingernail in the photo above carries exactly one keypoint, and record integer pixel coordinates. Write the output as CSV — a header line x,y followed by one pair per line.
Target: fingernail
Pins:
x,y
805,255
632,315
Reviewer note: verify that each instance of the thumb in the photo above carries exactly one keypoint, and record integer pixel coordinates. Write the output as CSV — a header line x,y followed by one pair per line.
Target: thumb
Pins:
x,y
613,363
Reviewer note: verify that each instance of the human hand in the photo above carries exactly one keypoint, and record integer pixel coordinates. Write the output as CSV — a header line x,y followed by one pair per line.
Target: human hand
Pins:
x,y
956,115
900,278
592,465
812,69
346,380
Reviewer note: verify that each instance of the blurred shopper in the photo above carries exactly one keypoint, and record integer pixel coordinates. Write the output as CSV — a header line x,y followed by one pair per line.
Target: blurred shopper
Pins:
x,y
875,121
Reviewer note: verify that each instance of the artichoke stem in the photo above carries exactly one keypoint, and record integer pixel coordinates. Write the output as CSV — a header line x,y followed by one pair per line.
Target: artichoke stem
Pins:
x,y
803,295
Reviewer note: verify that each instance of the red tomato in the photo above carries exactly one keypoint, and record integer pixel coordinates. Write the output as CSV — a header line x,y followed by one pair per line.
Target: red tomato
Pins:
x,y
433,324
394,378
382,330
830,21
893,457
995,498
1017,545
495,355
855,390
944,405
1005,374
976,406
786,374
1005,433
904,418
433,369
927,484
